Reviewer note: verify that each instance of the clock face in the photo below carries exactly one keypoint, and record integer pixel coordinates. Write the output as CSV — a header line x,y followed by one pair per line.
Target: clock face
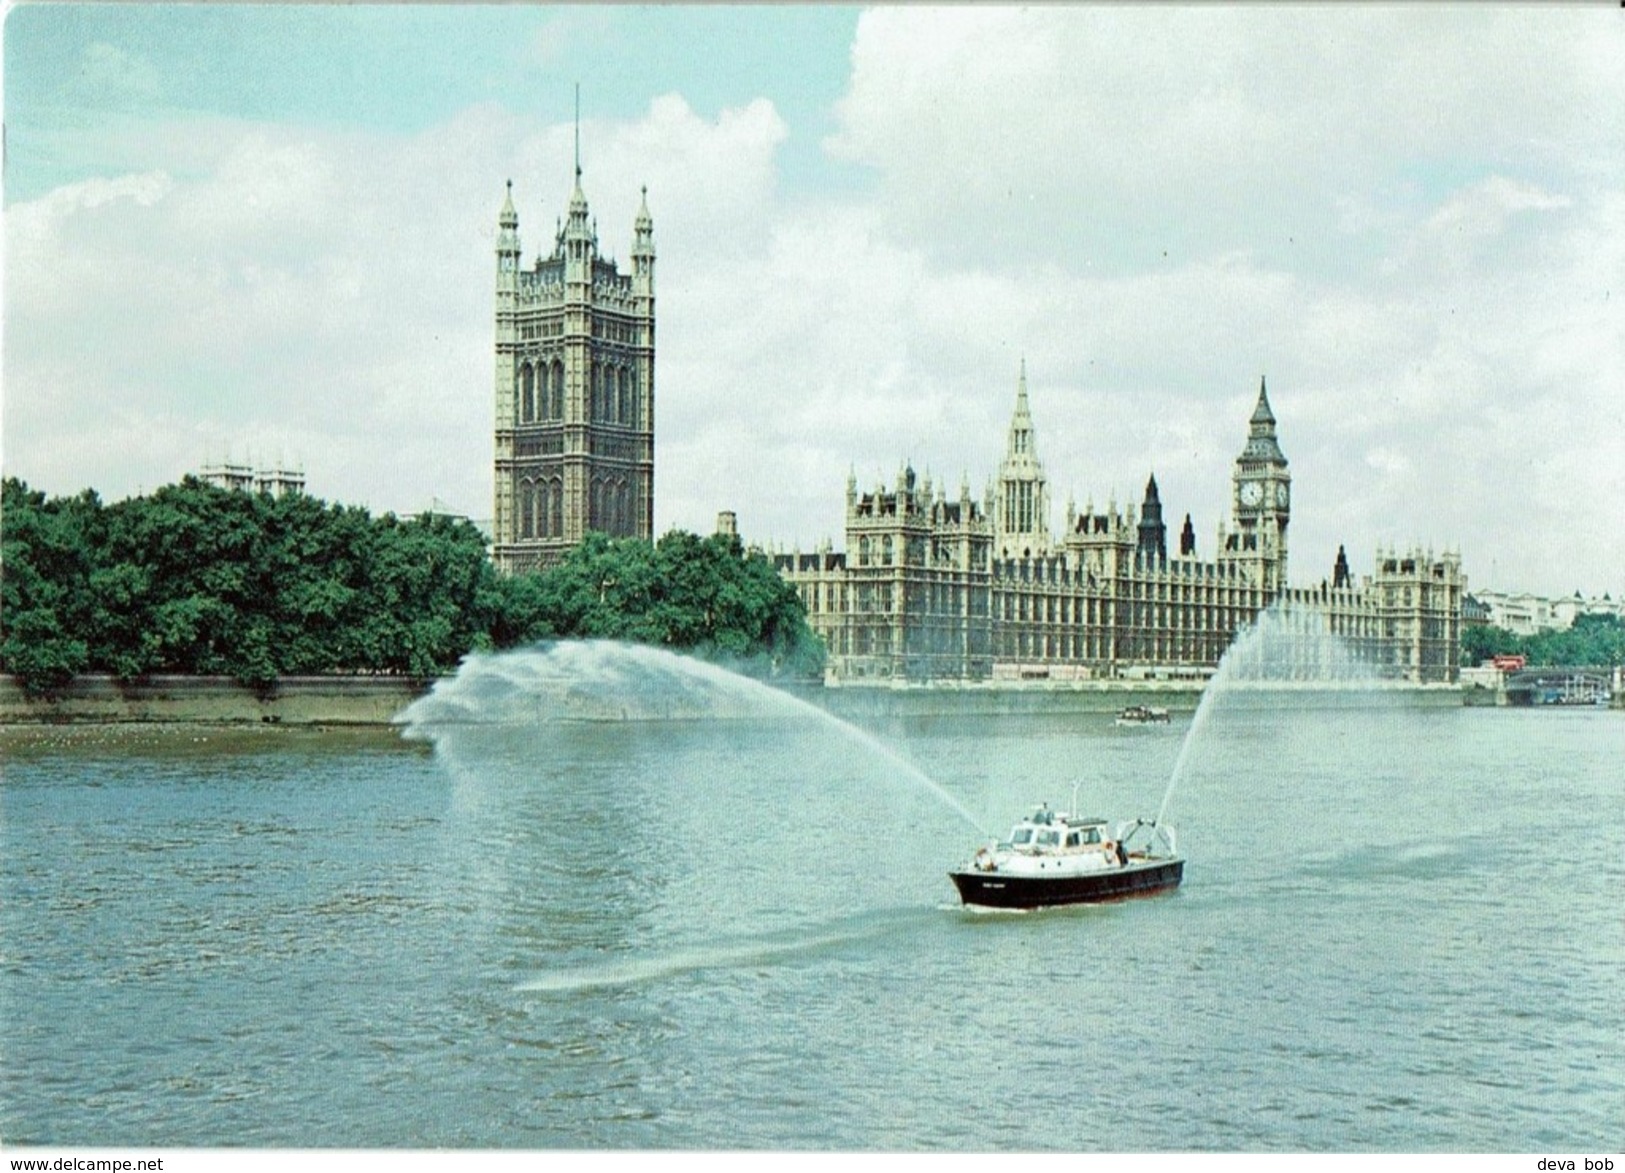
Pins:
x,y
1280,495
1251,493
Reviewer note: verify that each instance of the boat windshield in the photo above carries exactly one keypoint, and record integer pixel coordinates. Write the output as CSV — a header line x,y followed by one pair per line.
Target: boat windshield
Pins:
x,y
1049,838
1021,835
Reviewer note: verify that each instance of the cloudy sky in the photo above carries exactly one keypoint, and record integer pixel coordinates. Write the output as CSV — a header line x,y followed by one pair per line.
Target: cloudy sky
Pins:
x,y
267,233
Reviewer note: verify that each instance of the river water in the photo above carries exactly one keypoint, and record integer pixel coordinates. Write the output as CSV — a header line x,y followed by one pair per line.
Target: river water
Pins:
x,y
1399,930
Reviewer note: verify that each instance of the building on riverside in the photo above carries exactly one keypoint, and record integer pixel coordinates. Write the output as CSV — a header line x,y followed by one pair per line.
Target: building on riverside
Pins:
x,y
1527,614
940,586
278,481
575,393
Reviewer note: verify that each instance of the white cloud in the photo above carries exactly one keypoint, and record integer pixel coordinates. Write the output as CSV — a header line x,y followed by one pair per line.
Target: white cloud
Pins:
x,y
1408,220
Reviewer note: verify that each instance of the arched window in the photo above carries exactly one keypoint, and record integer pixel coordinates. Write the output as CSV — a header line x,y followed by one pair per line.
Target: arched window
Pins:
x,y
557,405
623,511
527,399
623,412
542,493
527,511
555,497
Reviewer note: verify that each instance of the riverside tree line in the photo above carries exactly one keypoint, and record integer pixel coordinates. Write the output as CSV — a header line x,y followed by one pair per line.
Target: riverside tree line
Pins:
x,y
195,579
1593,641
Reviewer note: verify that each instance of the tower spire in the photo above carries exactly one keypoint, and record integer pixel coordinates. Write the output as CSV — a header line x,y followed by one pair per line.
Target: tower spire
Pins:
x,y
1022,519
578,134
1262,413
1261,441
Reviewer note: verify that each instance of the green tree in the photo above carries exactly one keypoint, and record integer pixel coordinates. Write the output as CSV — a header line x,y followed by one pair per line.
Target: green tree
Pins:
x,y
707,596
195,579
45,567
1592,641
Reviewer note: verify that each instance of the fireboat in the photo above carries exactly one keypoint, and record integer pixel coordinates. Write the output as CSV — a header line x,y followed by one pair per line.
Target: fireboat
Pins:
x,y
1053,858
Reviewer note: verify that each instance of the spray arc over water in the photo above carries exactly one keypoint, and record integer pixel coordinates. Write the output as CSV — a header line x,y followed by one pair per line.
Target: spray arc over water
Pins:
x,y
595,680
1289,650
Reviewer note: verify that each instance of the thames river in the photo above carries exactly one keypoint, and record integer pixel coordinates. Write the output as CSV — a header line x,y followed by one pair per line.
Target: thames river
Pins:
x,y
1399,930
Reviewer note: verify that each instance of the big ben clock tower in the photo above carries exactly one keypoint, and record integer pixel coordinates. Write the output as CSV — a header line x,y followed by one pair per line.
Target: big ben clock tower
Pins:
x,y
1263,496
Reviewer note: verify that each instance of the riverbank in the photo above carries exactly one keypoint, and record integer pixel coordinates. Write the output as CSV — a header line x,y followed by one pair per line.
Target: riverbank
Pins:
x,y
214,700
375,700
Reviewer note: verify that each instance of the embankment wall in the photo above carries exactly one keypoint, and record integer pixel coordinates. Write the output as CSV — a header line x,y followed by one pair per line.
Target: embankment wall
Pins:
x,y
1005,698
293,700
375,700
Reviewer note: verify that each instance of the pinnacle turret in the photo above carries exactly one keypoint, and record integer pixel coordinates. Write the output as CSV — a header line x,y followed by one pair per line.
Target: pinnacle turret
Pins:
x,y
1341,577
508,240
643,244
1153,534
508,217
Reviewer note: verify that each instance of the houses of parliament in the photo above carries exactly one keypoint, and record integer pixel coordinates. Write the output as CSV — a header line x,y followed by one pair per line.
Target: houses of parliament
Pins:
x,y
937,585
932,585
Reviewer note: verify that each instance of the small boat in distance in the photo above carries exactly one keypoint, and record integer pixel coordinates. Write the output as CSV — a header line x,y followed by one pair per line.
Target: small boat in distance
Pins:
x,y
1142,715
1053,858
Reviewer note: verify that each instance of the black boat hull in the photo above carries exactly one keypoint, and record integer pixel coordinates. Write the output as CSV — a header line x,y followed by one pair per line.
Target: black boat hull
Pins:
x,y
1002,890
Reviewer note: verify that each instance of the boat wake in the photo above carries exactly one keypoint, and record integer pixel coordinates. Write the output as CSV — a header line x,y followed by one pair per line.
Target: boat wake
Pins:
x,y
737,954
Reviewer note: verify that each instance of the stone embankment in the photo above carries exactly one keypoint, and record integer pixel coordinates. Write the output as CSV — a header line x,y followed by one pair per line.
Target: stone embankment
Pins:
x,y
293,700
375,700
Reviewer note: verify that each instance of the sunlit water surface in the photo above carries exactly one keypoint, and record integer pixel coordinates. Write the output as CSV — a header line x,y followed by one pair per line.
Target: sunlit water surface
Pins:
x,y
1399,930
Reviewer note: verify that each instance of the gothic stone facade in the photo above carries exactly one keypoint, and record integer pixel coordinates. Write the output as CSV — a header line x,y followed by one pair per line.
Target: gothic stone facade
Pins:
x,y
575,394
938,587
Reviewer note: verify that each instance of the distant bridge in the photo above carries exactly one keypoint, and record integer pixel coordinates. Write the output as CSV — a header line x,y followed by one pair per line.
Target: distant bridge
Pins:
x,y
1562,686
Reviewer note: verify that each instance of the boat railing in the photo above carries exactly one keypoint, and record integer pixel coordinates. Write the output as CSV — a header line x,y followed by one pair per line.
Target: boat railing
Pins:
x,y
1142,838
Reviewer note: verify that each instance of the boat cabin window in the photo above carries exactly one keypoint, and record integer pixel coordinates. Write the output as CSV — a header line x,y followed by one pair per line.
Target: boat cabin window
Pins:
x,y
1074,838
1049,838
1092,835
1021,835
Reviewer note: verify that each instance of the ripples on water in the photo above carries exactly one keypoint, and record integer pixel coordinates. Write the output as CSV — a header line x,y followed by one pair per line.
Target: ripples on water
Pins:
x,y
1398,931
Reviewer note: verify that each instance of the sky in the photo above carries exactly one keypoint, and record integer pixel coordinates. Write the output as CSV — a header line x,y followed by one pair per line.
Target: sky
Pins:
x,y
266,233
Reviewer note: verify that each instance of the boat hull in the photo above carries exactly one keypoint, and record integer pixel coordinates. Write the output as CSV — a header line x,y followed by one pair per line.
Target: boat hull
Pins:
x,y
1004,890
